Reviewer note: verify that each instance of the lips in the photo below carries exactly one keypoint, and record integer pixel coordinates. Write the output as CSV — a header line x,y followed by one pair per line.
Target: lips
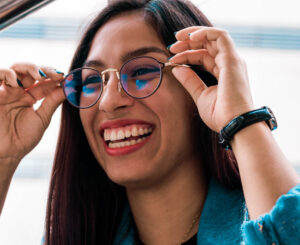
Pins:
x,y
125,136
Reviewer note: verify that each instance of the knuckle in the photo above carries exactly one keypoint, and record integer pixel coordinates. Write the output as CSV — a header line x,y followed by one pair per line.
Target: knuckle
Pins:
x,y
15,65
8,74
222,31
47,69
7,71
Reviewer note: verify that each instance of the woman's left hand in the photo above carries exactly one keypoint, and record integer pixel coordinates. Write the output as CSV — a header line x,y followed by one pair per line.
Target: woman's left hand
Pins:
x,y
214,49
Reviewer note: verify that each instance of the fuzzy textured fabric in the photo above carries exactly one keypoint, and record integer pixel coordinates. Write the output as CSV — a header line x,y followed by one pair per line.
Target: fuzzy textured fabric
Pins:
x,y
224,220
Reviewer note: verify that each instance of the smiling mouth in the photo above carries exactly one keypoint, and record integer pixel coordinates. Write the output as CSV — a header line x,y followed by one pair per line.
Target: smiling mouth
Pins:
x,y
126,136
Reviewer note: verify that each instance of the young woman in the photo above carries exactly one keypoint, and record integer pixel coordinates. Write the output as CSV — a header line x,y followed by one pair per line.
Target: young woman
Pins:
x,y
138,159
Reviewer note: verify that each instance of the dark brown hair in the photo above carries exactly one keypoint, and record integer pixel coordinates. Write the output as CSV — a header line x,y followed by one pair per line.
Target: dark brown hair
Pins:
x,y
84,206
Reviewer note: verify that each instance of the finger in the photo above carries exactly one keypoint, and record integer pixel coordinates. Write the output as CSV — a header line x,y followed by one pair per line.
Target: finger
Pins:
x,y
207,34
197,57
28,73
52,73
49,105
42,89
8,77
183,42
190,81
183,35
181,46
213,39
28,69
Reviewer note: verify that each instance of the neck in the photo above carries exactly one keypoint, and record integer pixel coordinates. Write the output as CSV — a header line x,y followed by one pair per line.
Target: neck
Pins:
x,y
165,214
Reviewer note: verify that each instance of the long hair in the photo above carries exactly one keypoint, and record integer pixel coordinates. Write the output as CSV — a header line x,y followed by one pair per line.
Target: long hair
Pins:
x,y
84,206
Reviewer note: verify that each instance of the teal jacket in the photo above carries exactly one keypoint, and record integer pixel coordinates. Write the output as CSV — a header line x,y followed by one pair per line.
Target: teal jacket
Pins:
x,y
224,220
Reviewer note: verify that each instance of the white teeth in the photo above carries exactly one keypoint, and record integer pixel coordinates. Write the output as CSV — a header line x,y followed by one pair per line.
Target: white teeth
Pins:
x,y
120,135
141,131
113,135
106,135
127,133
125,143
124,132
134,131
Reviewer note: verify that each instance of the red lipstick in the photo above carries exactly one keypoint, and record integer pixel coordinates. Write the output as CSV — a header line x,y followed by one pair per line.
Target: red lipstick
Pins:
x,y
126,149
118,151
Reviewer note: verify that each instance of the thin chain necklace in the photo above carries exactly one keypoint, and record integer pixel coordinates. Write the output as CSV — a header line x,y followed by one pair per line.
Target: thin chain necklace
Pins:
x,y
187,233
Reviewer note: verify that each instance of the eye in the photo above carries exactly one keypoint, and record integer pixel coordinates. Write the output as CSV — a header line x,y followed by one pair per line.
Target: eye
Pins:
x,y
91,79
91,84
144,71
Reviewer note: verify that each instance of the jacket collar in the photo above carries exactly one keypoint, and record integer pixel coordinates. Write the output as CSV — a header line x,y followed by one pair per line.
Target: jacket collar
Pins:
x,y
220,222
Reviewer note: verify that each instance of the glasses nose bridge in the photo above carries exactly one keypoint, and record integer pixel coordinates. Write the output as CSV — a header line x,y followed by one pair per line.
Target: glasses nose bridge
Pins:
x,y
105,81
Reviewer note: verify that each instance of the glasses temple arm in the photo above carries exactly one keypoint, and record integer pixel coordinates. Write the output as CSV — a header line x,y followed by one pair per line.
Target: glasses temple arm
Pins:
x,y
174,64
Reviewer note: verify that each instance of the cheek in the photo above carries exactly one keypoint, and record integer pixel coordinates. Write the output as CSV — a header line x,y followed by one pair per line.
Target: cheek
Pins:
x,y
178,103
174,107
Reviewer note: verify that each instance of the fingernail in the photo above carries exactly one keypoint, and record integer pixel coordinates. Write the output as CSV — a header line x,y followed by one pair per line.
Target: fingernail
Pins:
x,y
169,46
42,73
19,83
59,72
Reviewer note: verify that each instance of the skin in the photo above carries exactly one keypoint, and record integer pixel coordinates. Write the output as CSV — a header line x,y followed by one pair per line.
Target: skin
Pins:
x,y
166,113
166,168
265,172
164,179
18,117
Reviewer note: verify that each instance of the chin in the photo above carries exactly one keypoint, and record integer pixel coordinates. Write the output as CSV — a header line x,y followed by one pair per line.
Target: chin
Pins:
x,y
130,176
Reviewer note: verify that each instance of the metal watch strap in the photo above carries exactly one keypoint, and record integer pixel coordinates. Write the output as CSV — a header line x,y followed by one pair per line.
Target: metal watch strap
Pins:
x,y
244,120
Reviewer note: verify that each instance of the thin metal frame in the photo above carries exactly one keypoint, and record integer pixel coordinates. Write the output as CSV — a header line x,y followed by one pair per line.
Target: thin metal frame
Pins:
x,y
120,84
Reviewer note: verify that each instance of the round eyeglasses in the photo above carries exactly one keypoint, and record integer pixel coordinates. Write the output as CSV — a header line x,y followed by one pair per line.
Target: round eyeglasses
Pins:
x,y
139,77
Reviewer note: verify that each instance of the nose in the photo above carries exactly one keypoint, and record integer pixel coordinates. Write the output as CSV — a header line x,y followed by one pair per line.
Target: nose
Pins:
x,y
113,97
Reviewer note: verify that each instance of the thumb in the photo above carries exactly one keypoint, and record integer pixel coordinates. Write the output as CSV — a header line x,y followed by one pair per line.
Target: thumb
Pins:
x,y
49,105
190,81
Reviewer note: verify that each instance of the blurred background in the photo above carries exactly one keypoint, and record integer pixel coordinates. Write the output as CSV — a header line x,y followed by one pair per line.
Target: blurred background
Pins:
x,y
267,34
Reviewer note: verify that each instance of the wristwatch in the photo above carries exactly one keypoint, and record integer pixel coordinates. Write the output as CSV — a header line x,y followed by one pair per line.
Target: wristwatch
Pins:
x,y
244,120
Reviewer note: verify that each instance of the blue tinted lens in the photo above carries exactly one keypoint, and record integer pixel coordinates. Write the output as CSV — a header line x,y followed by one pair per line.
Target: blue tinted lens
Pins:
x,y
83,87
140,84
144,71
141,76
90,85
124,80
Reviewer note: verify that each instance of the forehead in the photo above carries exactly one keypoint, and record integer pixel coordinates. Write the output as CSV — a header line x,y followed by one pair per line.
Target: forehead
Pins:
x,y
123,33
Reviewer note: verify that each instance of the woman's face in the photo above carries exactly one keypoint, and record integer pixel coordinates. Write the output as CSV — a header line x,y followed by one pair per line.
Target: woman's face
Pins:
x,y
164,118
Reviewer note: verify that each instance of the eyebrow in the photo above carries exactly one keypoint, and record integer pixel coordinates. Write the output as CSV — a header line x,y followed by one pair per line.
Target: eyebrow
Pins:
x,y
127,56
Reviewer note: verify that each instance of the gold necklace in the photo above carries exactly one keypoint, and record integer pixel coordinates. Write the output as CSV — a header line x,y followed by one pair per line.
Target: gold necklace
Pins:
x,y
187,233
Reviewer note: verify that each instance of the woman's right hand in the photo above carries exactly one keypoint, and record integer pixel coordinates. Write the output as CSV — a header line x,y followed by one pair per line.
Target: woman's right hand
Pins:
x,y
21,125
